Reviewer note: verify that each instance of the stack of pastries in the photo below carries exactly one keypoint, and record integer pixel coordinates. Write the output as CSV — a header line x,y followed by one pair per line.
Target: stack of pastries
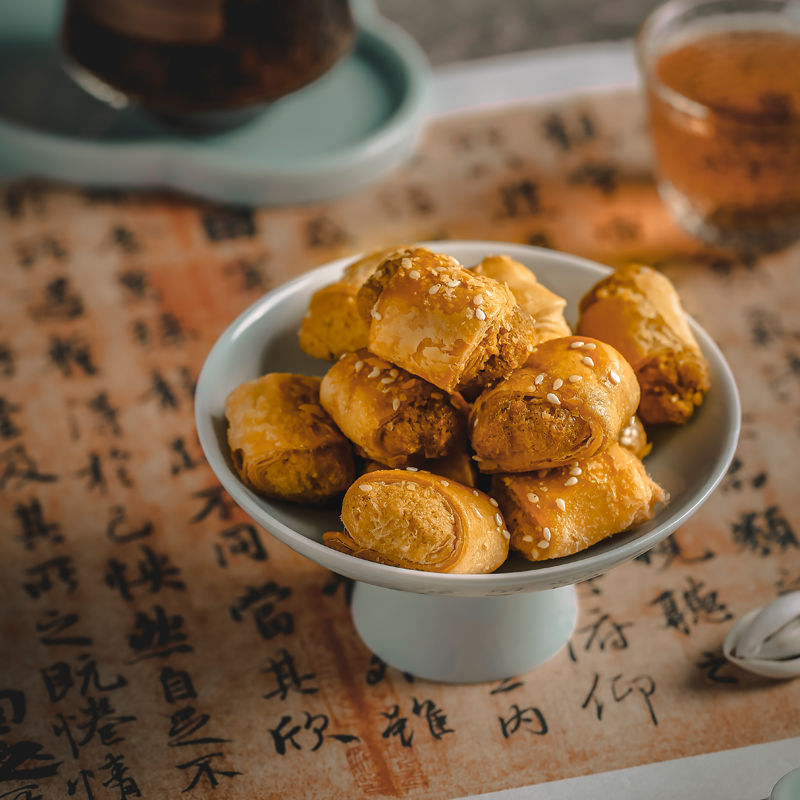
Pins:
x,y
462,418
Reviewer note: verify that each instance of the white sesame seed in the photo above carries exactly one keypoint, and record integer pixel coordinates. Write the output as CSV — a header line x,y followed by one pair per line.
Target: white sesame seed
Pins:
x,y
393,373
546,533
477,458
478,299
558,383
575,471
553,399
390,426
435,288
575,345
377,315
387,380
480,315
571,482
575,378
396,403
493,501
614,377
498,519
475,492
544,545
375,372
406,263
589,346
359,364
453,284
527,538
342,356
561,504
539,379
445,483
534,498
506,534
588,361
414,274
365,487
529,348
412,469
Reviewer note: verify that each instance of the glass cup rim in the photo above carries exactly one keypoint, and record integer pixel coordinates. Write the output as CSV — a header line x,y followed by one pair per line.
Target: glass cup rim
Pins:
x,y
693,108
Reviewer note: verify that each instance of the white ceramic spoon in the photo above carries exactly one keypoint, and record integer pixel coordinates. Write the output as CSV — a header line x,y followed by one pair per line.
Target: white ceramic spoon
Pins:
x,y
766,641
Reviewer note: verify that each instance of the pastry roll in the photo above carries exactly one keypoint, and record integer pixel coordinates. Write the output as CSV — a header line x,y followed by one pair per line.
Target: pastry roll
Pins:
x,y
444,323
571,401
638,311
458,467
573,508
633,437
391,416
332,325
546,308
421,521
283,443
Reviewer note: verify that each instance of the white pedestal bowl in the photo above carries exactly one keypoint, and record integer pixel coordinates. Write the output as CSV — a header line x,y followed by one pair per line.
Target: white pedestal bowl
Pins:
x,y
460,628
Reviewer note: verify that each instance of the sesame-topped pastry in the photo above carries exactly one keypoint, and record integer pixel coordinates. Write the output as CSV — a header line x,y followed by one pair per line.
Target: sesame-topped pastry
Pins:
x,y
546,308
638,311
444,323
633,437
572,508
571,401
458,467
391,416
283,443
416,520
332,325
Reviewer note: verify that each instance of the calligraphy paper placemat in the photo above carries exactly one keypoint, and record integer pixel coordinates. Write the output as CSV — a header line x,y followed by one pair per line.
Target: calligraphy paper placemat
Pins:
x,y
154,642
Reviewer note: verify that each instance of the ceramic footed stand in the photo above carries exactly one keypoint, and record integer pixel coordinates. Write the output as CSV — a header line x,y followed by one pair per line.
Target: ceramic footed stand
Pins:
x,y
464,639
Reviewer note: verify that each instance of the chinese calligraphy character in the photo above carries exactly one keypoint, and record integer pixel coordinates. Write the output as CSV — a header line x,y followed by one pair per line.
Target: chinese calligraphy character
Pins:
x,y
155,572
203,767
34,527
64,572
118,515
287,677
241,539
523,718
263,599
177,685
160,636
18,467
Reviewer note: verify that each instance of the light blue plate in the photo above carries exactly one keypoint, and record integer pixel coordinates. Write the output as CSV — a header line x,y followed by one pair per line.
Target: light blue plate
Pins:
x,y
355,123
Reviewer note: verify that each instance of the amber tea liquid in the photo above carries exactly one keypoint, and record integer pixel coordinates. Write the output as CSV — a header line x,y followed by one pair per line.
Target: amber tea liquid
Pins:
x,y
730,166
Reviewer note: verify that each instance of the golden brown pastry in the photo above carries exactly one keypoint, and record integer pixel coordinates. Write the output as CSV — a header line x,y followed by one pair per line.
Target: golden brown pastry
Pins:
x,y
546,308
633,437
443,323
332,325
571,401
417,520
283,443
390,415
458,467
572,508
638,311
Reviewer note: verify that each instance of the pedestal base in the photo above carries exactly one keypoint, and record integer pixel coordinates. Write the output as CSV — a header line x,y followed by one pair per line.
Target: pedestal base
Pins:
x,y
464,639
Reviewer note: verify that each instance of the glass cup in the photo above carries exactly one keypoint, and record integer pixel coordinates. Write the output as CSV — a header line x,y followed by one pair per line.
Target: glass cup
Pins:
x,y
723,89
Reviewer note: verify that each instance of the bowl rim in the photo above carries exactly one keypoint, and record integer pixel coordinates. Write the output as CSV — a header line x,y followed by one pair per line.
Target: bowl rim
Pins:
x,y
547,574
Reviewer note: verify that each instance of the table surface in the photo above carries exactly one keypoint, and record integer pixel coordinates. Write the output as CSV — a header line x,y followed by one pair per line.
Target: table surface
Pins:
x,y
454,30
154,642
